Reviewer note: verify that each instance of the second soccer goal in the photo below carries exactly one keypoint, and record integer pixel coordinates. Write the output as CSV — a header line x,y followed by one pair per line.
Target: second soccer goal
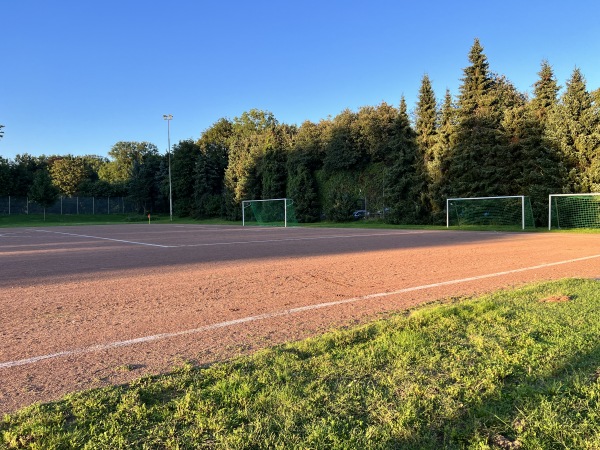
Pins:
x,y
277,212
574,211
503,211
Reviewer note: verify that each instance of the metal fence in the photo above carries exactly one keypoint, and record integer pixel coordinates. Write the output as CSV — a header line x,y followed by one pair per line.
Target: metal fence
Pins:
x,y
69,205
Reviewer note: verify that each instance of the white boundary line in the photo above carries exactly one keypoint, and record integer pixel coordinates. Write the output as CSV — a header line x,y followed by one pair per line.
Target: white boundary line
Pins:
x,y
106,239
271,315
258,241
311,238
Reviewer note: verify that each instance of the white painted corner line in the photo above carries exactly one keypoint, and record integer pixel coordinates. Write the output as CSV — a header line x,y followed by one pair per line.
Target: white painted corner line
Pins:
x,y
274,314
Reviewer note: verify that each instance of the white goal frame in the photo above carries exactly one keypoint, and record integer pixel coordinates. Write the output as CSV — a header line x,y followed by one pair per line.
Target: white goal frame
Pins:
x,y
522,197
284,200
591,194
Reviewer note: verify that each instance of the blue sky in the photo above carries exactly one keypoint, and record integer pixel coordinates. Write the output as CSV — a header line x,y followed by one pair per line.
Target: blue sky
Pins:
x,y
80,75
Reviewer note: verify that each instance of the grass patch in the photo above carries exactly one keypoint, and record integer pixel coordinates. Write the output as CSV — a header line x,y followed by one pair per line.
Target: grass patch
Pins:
x,y
508,370
37,220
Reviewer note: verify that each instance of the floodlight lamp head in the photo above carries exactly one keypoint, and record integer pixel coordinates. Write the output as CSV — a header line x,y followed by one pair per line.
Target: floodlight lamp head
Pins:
x,y
167,116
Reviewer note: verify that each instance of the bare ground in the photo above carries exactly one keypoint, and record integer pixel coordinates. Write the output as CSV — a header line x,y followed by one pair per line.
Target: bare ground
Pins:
x,y
85,307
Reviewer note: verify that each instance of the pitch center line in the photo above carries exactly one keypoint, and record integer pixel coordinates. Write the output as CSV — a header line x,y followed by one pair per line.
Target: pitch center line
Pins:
x,y
274,314
106,239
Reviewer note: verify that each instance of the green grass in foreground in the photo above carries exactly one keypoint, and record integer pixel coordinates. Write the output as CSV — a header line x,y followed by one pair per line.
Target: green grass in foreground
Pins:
x,y
516,369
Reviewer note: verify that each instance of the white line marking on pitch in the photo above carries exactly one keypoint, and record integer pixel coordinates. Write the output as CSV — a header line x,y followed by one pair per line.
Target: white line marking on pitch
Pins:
x,y
271,315
308,238
106,239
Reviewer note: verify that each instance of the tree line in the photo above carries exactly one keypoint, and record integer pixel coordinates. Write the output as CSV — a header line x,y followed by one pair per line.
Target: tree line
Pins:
x,y
489,140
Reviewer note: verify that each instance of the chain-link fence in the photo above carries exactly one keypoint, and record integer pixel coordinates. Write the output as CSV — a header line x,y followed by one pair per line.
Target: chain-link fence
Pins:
x,y
69,205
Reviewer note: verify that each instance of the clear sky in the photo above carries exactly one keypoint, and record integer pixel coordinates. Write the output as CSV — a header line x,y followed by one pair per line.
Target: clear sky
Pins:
x,y
80,75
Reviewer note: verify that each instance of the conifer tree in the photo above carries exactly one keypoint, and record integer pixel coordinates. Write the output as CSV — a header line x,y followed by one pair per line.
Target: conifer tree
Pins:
x,y
542,171
404,207
438,166
545,93
183,159
478,147
426,138
303,160
209,170
573,126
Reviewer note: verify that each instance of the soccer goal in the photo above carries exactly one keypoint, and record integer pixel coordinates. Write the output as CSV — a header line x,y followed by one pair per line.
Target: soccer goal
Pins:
x,y
574,210
503,211
277,212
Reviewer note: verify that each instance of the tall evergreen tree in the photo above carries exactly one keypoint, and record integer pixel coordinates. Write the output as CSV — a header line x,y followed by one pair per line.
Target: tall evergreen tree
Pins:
x,y
479,150
209,170
426,128
573,126
438,167
183,160
545,93
542,171
342,150
404,207
303,160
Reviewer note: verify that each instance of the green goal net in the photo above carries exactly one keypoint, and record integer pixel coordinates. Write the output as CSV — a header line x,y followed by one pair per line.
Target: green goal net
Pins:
x,y
278,212
574,211
496,212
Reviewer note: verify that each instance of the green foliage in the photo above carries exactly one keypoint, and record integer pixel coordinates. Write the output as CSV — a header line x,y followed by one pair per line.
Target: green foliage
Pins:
x,y
491,140
302,188
574,127
68,174
5,177
209,170
459,375
183,160
402,174
146,183
250,172
42,191
123,157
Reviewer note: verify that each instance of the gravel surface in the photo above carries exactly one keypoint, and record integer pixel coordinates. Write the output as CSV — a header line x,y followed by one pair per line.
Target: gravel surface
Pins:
x,y
85,307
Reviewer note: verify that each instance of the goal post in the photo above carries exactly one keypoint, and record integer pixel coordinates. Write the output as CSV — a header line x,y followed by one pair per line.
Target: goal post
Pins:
x,y
504,211
574,210
269,212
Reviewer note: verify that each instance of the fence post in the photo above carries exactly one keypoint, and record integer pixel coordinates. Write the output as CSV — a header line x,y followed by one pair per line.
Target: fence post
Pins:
x,y
9,205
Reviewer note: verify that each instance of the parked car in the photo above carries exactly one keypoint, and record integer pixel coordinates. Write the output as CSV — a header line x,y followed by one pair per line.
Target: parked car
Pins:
x,y
360,214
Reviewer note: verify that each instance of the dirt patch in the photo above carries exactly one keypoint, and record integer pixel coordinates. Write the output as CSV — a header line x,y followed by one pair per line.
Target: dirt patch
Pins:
x,y
556,299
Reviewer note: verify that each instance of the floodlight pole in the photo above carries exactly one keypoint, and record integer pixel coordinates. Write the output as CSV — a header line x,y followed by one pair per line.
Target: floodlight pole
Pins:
x,y
168,118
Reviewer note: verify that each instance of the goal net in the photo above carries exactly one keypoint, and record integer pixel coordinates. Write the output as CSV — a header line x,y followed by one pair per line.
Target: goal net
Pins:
x,y
506,211
278,212
574,211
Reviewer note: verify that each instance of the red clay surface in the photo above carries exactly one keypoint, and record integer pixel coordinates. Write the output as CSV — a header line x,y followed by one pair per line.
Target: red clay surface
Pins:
x,y
85,307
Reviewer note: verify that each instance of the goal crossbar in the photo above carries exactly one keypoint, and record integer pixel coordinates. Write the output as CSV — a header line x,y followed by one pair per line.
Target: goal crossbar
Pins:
x,y
521,197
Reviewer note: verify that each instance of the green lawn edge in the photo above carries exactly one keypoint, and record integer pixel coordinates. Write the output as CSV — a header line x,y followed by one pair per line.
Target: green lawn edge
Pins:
x,y
38,220
513,369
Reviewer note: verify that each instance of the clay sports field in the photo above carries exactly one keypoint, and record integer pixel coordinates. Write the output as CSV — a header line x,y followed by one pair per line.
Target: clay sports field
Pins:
x,y
83,307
